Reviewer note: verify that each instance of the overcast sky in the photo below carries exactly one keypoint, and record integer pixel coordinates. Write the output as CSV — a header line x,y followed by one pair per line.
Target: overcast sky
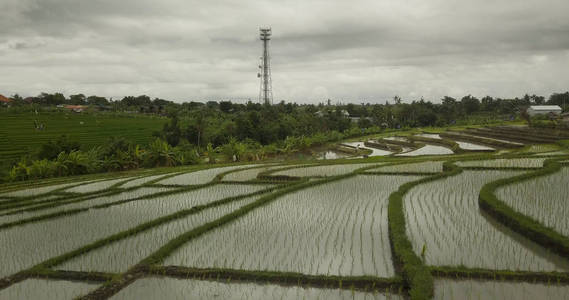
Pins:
x,y
350,51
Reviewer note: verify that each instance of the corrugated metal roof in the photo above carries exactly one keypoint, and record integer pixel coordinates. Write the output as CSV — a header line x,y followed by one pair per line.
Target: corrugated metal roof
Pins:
x,y
545,107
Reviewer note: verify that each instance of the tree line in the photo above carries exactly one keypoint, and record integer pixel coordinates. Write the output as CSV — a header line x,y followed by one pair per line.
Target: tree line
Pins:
x,y
226,131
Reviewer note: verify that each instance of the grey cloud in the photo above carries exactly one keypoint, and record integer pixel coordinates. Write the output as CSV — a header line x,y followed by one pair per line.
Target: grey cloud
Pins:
x,y
350,50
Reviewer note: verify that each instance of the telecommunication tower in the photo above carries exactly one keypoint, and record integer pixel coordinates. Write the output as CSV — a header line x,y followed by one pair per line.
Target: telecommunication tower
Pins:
x,y
266,90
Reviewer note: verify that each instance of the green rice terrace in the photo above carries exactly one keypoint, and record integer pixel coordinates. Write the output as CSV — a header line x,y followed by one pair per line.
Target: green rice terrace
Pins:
x,y
479,213
18,135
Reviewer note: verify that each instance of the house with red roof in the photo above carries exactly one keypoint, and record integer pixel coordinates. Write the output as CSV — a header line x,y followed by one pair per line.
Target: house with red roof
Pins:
x,y
5,100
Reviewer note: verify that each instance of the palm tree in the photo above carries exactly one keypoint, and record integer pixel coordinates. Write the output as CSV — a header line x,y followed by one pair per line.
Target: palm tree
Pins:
x,y
210,153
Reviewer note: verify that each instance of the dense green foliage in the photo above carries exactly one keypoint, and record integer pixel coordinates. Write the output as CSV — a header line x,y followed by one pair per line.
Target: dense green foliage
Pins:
x,y
215,130
20,137
117,154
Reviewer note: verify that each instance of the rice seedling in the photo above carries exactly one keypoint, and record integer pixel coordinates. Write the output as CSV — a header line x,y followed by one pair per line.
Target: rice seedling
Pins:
x,y
199,177
504,163
422,167
131,194
444,216
249,174
27,245
36,191
334,229
119,256
428,150
141,181
46,290
474,289
543,198
323,171
95,186
170,288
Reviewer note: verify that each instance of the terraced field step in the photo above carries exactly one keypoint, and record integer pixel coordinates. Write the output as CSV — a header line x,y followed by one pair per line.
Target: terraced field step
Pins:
x,y
281,278
462,136
174,288
537,132
508,136
501,275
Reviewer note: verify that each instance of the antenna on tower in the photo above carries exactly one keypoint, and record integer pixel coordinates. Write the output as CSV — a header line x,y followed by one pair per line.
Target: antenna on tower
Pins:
x,y
266,90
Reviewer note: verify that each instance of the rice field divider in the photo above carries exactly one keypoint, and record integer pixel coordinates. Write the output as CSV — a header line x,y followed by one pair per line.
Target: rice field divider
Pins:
x,y
58,191
255,182
87,277
62,202
52,262
409,143
69,195
261,179
98,277
158,256
403,161
220,176
507,137
480,168
106,205
465,273
459,136
51,203
533,132
268,174
528,227
526,134
31,206
111,191
416,274
375,173
166,250
362,283
486,156
82,179
35,183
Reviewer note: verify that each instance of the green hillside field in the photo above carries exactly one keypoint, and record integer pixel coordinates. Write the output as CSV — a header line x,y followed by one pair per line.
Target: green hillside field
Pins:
x,y
18,135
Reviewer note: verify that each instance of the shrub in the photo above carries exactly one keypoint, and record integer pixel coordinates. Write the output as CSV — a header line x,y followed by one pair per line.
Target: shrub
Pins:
x,y
160,154
72,163
19,172
186,154
53,148
42,169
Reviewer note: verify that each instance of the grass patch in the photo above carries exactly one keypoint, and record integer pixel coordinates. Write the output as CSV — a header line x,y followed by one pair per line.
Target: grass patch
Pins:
x,y
518,222
415,273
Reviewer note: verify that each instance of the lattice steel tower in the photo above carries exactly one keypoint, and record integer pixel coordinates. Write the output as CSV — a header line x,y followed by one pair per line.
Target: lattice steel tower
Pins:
x,y
266,90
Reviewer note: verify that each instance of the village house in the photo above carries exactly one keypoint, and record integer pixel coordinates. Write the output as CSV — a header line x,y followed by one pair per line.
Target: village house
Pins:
x,y
5,100
535,110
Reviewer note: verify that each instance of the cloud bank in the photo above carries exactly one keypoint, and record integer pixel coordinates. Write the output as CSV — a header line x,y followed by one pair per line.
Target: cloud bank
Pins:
x,y
350,51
